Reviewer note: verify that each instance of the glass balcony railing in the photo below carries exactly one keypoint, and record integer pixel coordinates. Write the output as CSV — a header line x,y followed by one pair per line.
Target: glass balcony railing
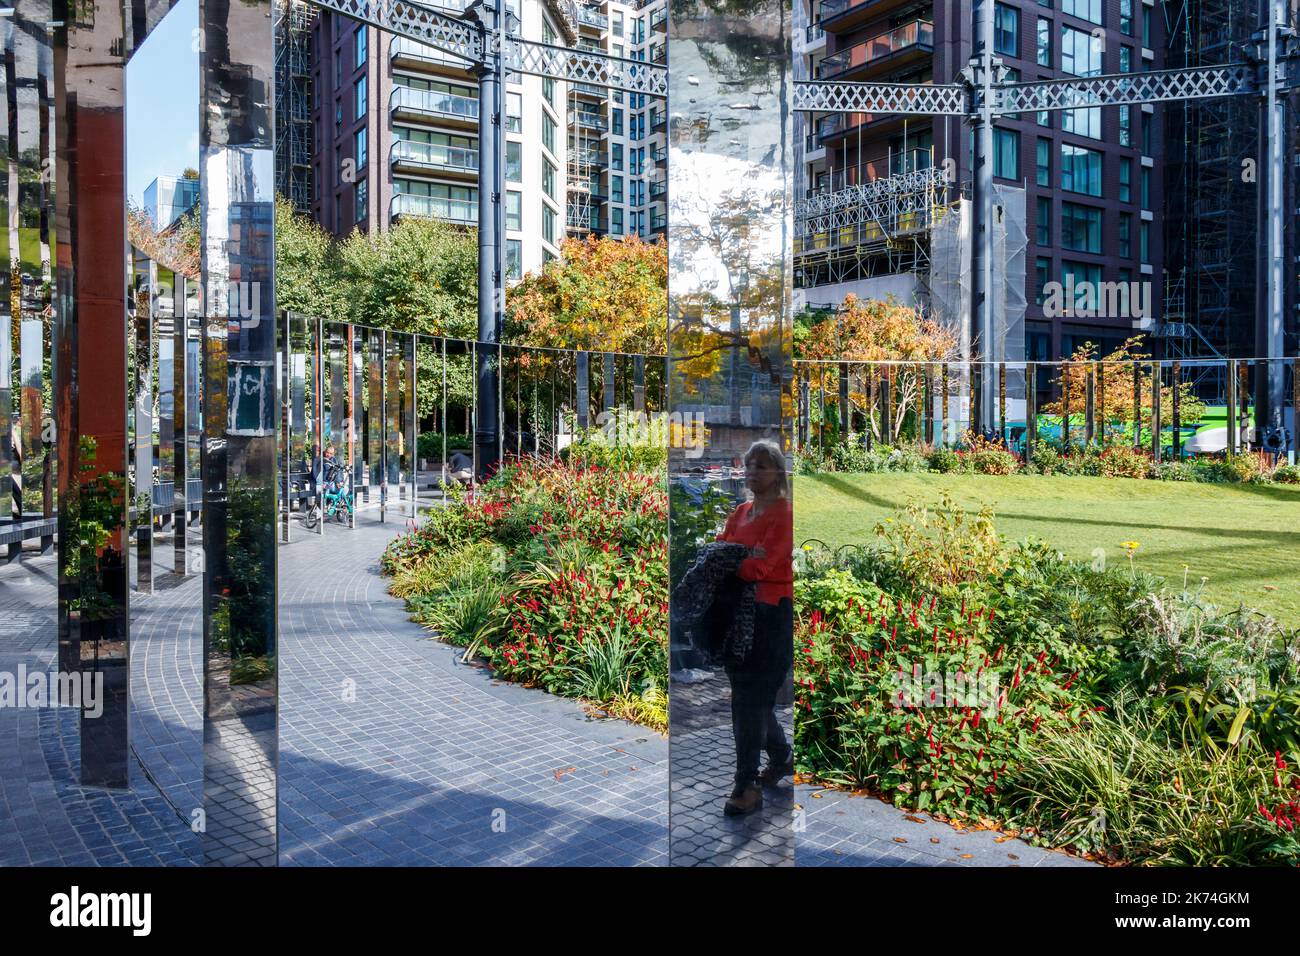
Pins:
x,y
593,18
658,188
659,155
813,32
829,126
659,20
434,155
917,34
588,119
433,103
418,51
658,119
460,211
658,221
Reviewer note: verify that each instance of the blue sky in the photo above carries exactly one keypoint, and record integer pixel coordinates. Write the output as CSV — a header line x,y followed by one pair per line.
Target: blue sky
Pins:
x,y
162,101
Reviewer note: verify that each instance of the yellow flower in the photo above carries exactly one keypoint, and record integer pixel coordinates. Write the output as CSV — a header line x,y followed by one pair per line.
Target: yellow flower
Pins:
x,y
1130,545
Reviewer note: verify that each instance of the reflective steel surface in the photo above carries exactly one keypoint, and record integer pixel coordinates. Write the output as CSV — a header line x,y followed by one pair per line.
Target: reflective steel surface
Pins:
x,y
729,230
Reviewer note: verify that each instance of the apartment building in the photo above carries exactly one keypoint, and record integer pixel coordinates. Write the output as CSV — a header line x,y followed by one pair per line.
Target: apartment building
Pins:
x,y
617,182
1091,178
395,127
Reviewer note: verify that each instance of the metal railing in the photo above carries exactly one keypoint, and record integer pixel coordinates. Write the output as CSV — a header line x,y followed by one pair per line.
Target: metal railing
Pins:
x,y
918,33
401,46
589,119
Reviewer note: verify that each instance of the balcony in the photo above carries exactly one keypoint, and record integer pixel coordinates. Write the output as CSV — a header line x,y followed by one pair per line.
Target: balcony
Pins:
x,y
813,34
588,157
411,53
425,104
915,38
460,212
586,89
659,155
589,119
659,53
658,121
838,125
658,188
427,157
658,223
659,20
588,17
840,16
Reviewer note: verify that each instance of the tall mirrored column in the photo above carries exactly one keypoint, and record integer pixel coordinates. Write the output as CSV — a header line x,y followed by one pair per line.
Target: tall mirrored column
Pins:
x,y
729,245
90,311
240,418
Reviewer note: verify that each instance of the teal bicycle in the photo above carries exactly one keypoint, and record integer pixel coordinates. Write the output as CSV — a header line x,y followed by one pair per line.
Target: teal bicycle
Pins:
x,y
335,502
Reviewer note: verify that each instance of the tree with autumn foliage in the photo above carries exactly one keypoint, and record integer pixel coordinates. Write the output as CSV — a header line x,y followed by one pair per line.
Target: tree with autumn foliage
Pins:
x,y
868,331
1113,391
602,295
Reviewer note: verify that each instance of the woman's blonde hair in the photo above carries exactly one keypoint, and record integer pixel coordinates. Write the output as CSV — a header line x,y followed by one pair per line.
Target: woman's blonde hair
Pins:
x,y
772,452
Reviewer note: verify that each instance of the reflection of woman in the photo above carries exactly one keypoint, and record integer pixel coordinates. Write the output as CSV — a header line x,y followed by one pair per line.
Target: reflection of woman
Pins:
x,y
764,524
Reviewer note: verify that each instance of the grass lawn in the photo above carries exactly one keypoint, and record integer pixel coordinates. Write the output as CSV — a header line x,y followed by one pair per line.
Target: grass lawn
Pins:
x,y
1245,539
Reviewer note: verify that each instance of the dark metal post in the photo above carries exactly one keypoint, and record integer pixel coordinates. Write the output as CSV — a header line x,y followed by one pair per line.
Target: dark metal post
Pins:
x,y
983,65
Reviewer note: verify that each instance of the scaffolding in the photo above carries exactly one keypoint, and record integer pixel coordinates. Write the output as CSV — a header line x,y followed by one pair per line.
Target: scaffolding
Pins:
x,y
293,133
1212,198
874,229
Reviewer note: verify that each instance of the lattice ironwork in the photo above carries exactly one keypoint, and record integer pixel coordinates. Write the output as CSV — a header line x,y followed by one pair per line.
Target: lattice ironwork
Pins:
x,y
913,98
1155,87
585,66
410,20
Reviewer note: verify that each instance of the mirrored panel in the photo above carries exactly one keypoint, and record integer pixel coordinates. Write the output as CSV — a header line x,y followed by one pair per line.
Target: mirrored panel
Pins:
x,y
731,516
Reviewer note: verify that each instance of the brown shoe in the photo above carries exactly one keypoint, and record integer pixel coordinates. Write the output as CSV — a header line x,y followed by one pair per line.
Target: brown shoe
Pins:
x,y
774,772
744,800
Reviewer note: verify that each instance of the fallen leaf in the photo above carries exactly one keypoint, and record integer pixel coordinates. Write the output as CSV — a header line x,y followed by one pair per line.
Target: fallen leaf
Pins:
x,y
899,840
562,772
966,856
908,816
934,839
1012,856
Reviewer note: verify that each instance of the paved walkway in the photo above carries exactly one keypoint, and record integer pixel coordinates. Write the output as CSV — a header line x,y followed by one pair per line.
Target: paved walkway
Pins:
x,y
394,752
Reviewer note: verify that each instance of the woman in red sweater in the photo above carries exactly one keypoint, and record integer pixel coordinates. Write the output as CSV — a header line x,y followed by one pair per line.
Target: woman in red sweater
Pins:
x,y
765,524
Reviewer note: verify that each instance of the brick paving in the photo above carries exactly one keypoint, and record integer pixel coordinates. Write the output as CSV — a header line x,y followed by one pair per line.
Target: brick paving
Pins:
x,y
393,751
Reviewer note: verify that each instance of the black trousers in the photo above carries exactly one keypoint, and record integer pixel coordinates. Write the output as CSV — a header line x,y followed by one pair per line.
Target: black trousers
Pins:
x,y
754,689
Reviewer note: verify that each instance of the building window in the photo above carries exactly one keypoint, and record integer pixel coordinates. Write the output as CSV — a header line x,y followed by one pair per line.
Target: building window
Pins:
x,y
548,89
514,210
514,112
359,98
1080,170
514,259
1145,187
1044,42
359,200
1147,134
618,25
1080,53
359,149
1126,126
1006,154
1144,241
1126,235
1125,179
1085,121
1081,228
1126,17
514,161
1044,163
1006,30
548,133
1146,27
1086,279
1125,59
548,178
616,220
1089,10
616,188
617,122
616,156
548,224
359,46
1044,220
1043,271
1044,118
